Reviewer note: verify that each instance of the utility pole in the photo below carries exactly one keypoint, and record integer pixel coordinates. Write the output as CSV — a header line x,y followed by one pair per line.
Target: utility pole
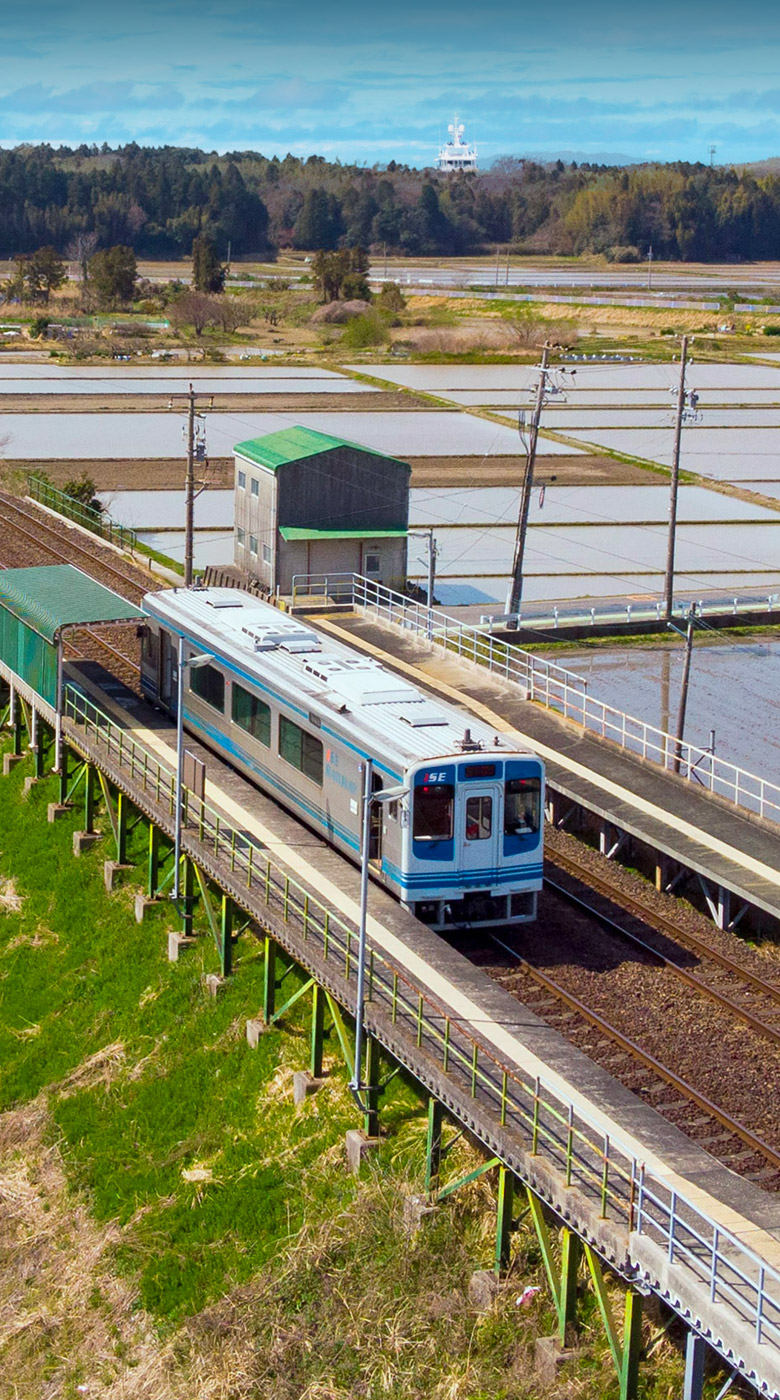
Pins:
x,y
516,587
506,279
196,451
427,535
385,262
675,480
684,687
650,268
189,491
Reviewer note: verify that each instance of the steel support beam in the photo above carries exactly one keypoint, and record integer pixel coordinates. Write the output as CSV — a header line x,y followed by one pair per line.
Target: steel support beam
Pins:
x,y
317,1030
433,1148
269,980
89,798
372,1089
153,862
625,1351
506,1196
226,936
695,1353
187,895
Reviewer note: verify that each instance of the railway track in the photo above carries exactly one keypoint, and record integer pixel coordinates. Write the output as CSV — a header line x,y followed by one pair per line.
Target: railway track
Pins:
x,y
46,538
757,1000
711,1126
49,538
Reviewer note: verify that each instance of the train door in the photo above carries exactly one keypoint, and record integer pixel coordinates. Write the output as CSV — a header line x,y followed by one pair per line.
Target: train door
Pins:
x,y
167,666
376,828
479,824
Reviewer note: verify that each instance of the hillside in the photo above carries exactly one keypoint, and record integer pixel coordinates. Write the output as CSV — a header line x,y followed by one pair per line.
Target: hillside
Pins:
x,y
157,200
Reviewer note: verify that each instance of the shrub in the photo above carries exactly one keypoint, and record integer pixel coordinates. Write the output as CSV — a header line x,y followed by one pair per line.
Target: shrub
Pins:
x,y
365,331
768,330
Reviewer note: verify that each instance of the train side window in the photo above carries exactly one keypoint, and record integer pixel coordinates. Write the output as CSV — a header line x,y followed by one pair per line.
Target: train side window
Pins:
x,y
251,713
150,648
300,749
209,685
522,806
479,818
433,809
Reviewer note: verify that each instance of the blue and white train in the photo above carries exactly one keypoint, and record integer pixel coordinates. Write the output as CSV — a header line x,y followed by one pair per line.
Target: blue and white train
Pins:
x,y
298,713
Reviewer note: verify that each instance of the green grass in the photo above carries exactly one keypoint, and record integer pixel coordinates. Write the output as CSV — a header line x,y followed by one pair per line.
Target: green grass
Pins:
x,y
236,1255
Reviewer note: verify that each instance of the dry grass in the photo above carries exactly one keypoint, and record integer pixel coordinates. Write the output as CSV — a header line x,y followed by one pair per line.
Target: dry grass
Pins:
x,y
10,900
65,1317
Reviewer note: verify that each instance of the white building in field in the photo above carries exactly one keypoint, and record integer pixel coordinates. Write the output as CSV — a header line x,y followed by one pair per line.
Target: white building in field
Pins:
x,y
456,154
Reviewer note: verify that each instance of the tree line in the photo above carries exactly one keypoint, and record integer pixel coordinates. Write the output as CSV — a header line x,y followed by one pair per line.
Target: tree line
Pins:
x,y
158,201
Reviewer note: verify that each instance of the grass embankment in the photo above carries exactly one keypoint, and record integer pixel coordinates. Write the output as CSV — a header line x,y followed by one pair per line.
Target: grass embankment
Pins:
x,y
171,1225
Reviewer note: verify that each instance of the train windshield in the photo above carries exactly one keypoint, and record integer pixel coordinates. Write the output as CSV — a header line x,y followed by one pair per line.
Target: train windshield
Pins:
x,y
433,808
522,806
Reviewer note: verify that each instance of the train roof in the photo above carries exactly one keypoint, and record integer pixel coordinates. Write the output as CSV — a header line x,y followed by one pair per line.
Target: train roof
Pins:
x,y
330,676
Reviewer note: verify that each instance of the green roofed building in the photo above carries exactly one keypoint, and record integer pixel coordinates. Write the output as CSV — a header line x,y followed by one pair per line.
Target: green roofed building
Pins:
x,y
309,503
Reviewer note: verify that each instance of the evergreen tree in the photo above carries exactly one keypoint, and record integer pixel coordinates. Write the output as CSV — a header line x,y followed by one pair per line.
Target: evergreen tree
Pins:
x,y
208,273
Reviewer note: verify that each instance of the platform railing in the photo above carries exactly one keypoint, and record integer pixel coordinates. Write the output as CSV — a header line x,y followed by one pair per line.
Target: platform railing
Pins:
x,y
96,521
532,1110
566,694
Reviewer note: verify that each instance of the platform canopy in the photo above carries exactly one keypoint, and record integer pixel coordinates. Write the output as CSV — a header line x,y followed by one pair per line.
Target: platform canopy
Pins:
x,y
52,597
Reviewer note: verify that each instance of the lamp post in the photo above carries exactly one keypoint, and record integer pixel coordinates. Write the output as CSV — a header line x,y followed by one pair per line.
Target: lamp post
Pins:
x,y
369,798
194,662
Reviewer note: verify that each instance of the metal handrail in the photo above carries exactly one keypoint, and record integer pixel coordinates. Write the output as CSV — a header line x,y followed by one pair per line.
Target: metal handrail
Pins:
x,y
566,693
630,613
546,1123
42,491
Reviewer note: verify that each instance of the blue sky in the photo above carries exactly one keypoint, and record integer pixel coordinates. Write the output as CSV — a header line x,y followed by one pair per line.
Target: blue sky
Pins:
x,y
362,82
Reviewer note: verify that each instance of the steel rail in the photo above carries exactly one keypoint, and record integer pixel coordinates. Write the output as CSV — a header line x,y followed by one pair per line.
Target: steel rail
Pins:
x,y
665,925
74,547
680,1085
691,978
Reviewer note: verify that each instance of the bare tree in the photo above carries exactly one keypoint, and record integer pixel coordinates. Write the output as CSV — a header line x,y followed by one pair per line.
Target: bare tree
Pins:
x,y
195,309
232,312
80,249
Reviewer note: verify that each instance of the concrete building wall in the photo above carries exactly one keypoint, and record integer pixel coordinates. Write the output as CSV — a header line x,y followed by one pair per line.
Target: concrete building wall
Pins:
x,y
386,558
254,533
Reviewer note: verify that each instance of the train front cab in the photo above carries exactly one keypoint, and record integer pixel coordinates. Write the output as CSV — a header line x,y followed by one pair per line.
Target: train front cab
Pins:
x,y
475,842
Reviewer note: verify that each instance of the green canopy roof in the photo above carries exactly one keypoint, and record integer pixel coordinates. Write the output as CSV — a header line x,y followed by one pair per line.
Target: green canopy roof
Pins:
x,y
290,533
293,444
58,595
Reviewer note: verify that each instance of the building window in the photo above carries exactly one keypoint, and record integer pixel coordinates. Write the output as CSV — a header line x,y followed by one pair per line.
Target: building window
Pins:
x,y
242,481
253,544
240,536
252,714
255,486
300,749
372,564
266,553
209,685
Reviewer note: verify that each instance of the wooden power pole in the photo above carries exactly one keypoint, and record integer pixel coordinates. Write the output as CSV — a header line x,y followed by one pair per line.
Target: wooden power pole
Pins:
x,y
516,588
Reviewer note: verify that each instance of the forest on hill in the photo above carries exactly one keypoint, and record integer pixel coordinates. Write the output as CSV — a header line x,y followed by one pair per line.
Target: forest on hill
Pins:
x,y
157,200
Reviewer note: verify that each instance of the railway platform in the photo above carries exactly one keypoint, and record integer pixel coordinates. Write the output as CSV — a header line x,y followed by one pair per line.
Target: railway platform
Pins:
x,y
732,854
622,1179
